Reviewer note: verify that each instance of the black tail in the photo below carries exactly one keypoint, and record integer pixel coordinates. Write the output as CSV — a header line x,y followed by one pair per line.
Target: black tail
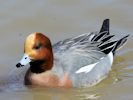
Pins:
x,y
105,26
104,32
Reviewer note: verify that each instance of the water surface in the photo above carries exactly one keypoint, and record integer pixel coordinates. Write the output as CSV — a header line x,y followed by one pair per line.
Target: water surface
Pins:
x,y
60,19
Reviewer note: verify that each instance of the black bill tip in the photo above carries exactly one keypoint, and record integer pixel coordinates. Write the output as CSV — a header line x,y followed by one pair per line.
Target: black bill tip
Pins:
x,y
19,65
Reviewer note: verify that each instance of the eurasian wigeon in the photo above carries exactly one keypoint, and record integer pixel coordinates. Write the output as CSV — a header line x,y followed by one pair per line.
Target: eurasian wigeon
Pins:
x,y
80,61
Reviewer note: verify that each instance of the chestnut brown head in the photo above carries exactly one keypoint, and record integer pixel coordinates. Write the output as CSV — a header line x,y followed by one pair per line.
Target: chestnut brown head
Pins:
x,y
37,52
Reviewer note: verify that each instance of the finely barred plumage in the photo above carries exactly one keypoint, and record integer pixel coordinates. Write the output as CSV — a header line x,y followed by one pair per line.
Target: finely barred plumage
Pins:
x,y
74,55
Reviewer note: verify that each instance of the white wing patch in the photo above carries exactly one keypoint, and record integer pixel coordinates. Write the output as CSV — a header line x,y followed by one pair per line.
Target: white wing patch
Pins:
x,y
86,69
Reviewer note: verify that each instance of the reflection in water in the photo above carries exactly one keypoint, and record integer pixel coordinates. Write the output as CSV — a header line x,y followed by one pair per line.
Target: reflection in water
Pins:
x,y
61,19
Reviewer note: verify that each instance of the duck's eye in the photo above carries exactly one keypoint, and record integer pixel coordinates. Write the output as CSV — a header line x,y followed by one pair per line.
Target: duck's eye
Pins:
x,y
38,46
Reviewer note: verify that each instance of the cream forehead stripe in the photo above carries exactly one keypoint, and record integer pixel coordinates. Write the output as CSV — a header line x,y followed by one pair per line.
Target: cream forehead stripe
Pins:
x,y
30,39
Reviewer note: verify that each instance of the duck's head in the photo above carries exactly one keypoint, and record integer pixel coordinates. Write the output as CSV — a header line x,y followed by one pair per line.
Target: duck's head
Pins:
x,y
38,53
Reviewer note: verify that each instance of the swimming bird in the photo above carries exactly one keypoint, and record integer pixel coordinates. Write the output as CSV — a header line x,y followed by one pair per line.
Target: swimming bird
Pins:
x,y
83,60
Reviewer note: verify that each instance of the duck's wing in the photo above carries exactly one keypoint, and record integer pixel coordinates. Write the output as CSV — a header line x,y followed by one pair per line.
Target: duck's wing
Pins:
x,y
86,49
75,42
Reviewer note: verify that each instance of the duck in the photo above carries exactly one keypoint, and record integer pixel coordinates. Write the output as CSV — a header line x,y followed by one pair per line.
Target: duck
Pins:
x,y
80,61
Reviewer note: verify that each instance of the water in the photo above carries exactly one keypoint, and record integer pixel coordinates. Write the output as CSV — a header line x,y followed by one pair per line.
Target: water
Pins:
x,y
60,19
